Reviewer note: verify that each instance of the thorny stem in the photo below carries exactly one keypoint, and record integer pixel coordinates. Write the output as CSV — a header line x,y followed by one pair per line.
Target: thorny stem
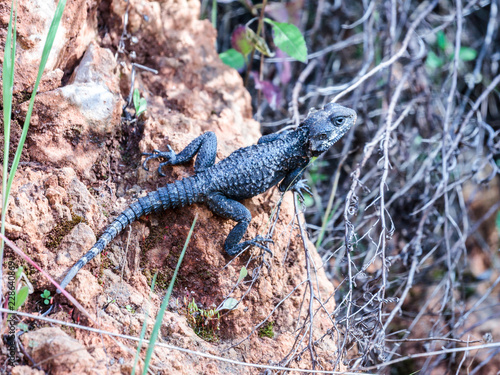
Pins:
x,y
310,284
394,57
384,233
450,187
444,164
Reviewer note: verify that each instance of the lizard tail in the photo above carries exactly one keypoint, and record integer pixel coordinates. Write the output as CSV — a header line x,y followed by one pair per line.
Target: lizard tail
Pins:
x,y
179,193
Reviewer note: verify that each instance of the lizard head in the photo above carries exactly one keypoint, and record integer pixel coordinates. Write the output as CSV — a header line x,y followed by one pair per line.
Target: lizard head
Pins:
x,y
326,126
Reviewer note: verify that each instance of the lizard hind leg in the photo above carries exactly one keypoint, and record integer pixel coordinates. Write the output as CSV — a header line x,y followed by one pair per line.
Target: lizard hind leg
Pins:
x,y
234,210
204,147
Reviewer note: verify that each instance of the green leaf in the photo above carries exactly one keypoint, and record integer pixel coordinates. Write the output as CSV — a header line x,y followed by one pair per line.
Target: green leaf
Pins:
x,y
232,58
21,297
143,104
498,222
19,273
243,273
140,104
308,201
136,97
417,141
467,54
433,61
144,325
289,39
45,294
142,107
441,40
229,304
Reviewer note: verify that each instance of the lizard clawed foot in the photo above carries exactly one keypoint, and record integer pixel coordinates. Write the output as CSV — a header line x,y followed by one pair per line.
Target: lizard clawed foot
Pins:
x,y
301,187
257,241
169,156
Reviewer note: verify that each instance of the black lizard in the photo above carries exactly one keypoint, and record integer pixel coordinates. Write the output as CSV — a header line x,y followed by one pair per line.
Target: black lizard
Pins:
x,y
245,173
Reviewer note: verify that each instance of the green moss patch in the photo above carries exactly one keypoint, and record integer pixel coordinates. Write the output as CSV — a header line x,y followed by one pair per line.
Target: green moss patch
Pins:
x,y
56,235
267,330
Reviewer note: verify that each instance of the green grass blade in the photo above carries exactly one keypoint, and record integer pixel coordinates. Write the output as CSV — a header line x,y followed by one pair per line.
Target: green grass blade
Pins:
x,y
8,84
144,326
164,304
214,13
45,55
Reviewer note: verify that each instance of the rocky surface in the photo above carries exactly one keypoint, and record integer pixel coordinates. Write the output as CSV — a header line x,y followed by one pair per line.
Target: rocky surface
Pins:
x,y
81,168
61,353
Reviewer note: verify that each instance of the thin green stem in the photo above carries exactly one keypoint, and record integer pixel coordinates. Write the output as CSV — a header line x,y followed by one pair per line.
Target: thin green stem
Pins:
x,y
144,325
161,312
45,55
8,84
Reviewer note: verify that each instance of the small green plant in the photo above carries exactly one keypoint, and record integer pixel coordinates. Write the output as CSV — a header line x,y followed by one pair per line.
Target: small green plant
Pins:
x,y
315,175
243,274
205,323
164,304
267,330
22,290
286,36
444,52
140,104
287,39
46,296
23,327
130,309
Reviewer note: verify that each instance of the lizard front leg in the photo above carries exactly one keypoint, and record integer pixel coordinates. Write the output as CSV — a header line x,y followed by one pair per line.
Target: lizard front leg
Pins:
x,y
205,146
234,210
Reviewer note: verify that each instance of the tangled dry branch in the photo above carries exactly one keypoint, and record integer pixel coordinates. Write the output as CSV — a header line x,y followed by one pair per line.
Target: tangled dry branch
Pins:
x,y
405,215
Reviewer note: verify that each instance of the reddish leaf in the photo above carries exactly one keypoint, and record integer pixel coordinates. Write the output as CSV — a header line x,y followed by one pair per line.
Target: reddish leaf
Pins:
x,y
270,91
240,42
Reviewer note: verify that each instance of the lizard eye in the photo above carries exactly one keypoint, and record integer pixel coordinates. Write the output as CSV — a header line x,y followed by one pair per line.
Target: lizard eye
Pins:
x,y
338,121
